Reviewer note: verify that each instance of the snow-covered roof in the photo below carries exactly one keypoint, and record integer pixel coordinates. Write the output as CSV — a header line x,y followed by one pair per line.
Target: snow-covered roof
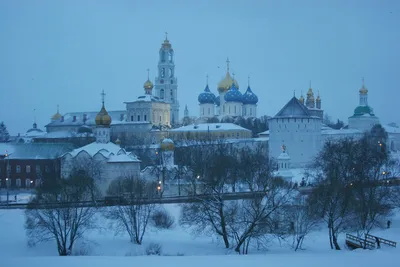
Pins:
x,y
87,118
264,133
111,151
130,157
35,150
330,131
391,129
148,98
205,127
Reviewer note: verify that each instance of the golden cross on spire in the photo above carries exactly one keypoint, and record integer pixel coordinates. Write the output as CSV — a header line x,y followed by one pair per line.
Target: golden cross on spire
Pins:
x,y
227,64
207,78
148,74
166,35
102,96
248,80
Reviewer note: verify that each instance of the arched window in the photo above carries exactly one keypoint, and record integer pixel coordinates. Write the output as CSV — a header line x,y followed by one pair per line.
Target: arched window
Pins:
x,y
162,72
162,94
171,73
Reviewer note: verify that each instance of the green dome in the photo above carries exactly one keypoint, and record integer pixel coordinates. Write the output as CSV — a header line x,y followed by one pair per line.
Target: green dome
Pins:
x,y
361,110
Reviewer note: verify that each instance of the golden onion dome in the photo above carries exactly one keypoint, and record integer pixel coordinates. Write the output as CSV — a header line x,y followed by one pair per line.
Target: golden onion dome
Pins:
x,y
363,90
117,142
102,118
166,44
318,99
56,116
167,145
148,84
226,83
301,99
310,92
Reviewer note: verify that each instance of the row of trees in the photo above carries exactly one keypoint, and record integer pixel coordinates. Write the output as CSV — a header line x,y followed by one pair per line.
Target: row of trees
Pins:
x,y
344,197
346,174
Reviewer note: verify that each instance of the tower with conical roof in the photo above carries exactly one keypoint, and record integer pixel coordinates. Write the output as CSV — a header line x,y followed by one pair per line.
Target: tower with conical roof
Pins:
x,y
166,87
206,103
363,118
103,121
284,168
250,101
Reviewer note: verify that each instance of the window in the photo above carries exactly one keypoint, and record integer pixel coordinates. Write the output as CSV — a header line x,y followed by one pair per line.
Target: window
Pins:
x,y
209,111
18,169
8,168
28,183
138,117
145,117
160,118
172,94
38,182
171,73
28,168
18,182
251,111
37,168
1,182
46,168
162,94
162,72
131,118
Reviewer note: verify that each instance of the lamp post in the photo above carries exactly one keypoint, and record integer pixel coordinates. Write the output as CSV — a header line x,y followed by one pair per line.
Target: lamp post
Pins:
x,y
8,181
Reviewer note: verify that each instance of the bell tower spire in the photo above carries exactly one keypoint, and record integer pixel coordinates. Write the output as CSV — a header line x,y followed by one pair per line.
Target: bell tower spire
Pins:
x,y
166,87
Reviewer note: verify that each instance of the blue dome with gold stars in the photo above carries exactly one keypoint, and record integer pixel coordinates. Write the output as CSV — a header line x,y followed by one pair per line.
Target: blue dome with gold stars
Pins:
x,y
206,97
233,95
249,97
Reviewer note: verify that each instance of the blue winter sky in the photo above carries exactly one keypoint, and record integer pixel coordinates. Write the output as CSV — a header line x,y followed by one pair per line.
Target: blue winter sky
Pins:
x,y
65,52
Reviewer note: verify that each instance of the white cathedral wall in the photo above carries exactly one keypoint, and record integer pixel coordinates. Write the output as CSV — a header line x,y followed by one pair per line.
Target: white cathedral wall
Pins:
x,y
207,110
233,109
249,110
363,123
302,138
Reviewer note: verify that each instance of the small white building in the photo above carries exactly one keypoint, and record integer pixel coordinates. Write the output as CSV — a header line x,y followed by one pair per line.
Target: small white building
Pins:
x,y
104,160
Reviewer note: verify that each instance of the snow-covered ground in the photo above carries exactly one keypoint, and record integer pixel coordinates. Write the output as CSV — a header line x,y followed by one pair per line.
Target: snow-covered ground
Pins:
x,y
180,248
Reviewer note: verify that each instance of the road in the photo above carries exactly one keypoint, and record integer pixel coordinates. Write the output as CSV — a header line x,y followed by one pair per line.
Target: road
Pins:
x,y
162,200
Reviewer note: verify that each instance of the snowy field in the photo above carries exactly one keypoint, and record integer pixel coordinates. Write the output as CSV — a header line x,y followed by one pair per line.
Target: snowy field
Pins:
x,y
179,248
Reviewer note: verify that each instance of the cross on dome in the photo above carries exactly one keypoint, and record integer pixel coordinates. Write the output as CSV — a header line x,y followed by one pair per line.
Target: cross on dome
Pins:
x,y
227,64
102,96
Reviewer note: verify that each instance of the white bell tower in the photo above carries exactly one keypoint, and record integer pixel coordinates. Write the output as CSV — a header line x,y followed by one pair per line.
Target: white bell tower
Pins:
x,y
166,87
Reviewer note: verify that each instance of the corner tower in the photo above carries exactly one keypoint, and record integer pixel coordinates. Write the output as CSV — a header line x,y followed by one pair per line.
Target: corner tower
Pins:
x,y
166,87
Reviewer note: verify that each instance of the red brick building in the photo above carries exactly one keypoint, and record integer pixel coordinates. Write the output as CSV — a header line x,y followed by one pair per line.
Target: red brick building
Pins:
x,y
24,165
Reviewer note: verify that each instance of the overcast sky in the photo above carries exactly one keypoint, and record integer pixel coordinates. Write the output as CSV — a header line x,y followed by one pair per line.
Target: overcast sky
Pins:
x,y
65,52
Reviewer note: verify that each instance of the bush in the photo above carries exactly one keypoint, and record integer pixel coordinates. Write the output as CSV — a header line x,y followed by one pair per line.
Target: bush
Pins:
x,y
162,220
153,249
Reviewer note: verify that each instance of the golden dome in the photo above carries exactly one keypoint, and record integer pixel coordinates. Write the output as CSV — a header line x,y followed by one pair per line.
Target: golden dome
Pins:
x,y
102,118
301,99
148,84
225,84
318,99
310,92
56,116
363,90
117,142
166,44
167,145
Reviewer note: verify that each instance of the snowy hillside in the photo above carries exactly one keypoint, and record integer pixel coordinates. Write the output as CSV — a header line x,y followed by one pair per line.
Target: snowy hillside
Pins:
x,y
183,249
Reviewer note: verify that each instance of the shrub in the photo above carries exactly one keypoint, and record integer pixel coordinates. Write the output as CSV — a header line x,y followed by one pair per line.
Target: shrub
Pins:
x,y
153,249
162,219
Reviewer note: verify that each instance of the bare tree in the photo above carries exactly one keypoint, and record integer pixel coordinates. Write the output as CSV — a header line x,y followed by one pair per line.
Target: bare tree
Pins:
x,y
62,210
263,214
133,216
302,220
210,164
332,199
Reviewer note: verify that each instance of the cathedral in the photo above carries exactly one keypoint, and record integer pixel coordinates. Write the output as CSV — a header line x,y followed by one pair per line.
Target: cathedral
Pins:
x,y
229,102
143,118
